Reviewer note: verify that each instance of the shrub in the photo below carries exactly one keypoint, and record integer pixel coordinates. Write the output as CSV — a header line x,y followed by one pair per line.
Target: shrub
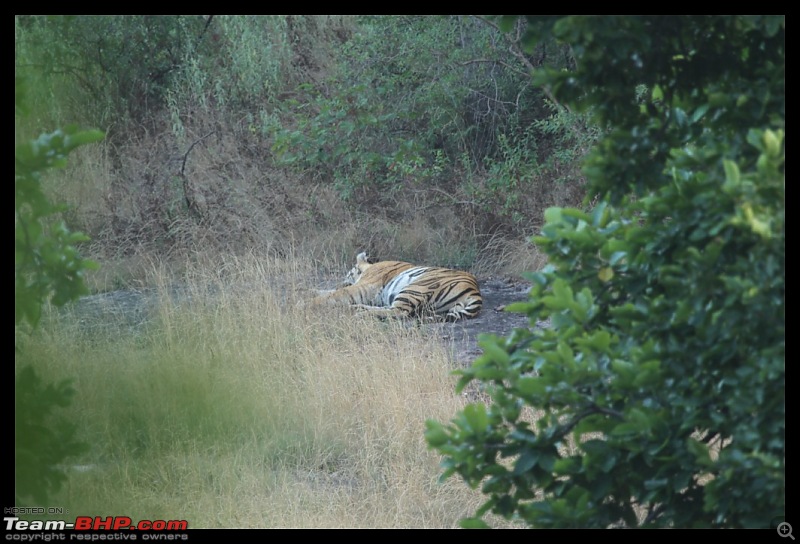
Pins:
x,y
656,397
47,267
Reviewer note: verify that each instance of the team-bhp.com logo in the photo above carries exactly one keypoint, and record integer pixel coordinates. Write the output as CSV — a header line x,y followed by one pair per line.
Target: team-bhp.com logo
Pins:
x,y
89,523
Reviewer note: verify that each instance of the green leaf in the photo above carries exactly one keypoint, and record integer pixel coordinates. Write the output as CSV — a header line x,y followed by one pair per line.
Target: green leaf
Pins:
x,y
435,434
754,138
600,341
616,257
525,462
623,368
566,466
656,483
475,415
772,142
552,215
494,352
700,451
625,430
732,176
518,307
563,293
531,385
473,523
605,274
700,112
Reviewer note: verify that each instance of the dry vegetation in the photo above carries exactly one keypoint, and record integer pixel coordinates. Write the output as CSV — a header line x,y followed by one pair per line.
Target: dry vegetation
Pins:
x,y
233,407
201,169
237,407
136,212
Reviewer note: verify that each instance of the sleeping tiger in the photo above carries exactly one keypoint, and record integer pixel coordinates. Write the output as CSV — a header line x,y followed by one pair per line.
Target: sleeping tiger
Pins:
x,y
398,289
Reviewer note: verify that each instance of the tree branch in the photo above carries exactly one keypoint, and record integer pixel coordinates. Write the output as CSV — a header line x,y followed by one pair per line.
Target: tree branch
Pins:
x,y
186,155
515,49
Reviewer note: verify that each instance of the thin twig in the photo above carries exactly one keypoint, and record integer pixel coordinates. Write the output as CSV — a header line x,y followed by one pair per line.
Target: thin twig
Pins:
x,y
451,197
186,155
516,50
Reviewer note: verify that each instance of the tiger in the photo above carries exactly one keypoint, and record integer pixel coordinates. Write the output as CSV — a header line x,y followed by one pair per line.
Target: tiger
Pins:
x,y
400,289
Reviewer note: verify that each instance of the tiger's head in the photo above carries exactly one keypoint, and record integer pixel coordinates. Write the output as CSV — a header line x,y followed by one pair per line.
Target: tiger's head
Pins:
x,y
362,264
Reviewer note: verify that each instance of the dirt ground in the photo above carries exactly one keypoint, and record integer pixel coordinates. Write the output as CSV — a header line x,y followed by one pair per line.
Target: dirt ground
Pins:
x,y
497,293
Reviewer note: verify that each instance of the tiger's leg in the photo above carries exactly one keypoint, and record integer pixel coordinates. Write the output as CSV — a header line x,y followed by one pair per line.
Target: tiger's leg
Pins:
x,y
350,295
464,310
382,312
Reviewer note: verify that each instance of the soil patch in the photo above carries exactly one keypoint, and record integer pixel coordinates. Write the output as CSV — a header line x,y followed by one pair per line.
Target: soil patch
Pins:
x,y
497,294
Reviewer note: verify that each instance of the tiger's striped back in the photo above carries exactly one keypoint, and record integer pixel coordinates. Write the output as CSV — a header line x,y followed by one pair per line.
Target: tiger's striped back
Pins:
x,y
408,290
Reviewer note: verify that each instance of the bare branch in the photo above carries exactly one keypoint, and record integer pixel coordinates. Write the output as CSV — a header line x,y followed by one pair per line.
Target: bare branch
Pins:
x,y
591,410
488,22
208,23
453,199
495,61
186,155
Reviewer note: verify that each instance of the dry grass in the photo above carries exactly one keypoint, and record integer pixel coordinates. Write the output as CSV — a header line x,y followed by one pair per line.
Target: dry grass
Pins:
x,y
508,257
210,188
237,407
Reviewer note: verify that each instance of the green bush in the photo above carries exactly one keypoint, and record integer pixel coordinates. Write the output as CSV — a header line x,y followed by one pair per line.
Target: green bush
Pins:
x,y
43,437
656,397
407,116
123,66
47,267
414,103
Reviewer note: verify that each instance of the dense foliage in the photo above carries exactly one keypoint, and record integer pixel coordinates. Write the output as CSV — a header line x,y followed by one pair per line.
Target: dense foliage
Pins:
x,y
420,102
403,117
656,398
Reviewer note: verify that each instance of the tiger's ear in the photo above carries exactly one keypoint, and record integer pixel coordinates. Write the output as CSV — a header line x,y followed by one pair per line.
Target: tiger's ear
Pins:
x,y
364,259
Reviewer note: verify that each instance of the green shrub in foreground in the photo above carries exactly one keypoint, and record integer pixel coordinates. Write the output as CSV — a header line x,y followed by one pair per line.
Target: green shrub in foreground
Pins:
x,y
47,267
661,382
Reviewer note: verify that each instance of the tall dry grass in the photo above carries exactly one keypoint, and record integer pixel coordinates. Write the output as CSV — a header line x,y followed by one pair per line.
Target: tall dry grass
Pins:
x,y
235,406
